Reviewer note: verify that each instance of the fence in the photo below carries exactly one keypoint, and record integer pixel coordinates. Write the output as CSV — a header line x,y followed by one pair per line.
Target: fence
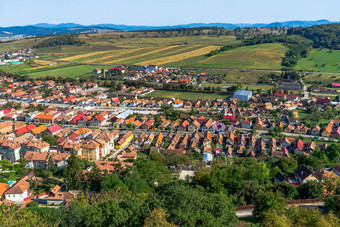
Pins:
x,y
290,202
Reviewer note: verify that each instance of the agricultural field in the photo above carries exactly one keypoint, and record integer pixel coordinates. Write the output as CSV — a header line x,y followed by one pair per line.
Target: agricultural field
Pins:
x,y
63,70
186,95
262,56
321,60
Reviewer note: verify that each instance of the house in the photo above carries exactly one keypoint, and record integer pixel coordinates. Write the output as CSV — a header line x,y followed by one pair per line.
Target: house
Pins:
x,y
44,118
18,192
336,133
98,120
242,95
126,138
36,160
279,178
126,156
298,146
39,129
336,170
290,86
159,140
112,166
177,103
55,196
91,150
328,130
3,188
207,157
323,101
207,125
336,85
246,124
194,126
184,126
10,149
315,131
303,174
54,129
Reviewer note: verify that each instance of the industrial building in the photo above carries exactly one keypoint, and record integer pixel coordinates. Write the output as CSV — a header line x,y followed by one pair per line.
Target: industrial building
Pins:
x,y
243,95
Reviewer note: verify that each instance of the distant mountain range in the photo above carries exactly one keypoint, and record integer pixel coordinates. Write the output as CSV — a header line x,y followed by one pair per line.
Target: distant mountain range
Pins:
x,y
43,29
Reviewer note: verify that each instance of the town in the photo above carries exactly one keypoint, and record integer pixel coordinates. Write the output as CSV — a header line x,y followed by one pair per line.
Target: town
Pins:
x,y
170,126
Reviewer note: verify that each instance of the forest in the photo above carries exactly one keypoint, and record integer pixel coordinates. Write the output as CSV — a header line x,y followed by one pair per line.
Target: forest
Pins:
x,y
146,194
60,40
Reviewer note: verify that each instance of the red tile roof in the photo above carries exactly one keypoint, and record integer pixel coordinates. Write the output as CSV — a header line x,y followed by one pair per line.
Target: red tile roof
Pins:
x,y
54,128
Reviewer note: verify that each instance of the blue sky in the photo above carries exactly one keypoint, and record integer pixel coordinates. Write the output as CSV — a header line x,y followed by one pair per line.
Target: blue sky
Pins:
x,y
164,12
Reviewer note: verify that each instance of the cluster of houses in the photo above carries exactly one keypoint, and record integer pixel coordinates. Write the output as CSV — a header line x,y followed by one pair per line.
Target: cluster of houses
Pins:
x,y
303,175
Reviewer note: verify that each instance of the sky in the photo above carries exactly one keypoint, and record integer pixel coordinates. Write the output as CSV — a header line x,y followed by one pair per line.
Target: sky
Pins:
x,y
164,12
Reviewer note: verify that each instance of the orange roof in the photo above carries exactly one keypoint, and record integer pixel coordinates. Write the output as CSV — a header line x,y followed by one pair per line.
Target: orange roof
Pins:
x,y
3,188
44,116
39,129
83,131
177,101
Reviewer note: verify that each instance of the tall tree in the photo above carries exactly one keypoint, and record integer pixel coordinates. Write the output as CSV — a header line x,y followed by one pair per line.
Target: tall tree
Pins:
x,y
74,173
157,218
268,201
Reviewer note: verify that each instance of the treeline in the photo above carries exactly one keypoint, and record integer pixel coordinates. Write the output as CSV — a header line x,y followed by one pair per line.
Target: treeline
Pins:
x,y
299,47
327,36
60,40
264,38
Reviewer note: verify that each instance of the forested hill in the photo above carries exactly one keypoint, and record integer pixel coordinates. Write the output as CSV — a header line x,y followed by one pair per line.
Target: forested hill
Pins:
x,y
60,40
327,35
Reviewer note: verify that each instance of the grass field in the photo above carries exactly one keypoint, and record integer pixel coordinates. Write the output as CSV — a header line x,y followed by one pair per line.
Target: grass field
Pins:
x,y
63,70
323,78
249,86
321,61
263,56
14,68
186,95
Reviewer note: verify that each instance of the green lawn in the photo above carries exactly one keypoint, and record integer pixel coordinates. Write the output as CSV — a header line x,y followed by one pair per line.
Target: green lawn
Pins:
x,y
187,95
262,56
321,61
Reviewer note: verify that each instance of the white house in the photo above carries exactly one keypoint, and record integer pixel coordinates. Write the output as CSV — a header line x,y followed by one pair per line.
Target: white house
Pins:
x,y
18,192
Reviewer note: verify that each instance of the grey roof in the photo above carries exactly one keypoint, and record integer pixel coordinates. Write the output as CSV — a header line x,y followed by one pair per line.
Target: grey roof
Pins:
x,y
242,92
303,172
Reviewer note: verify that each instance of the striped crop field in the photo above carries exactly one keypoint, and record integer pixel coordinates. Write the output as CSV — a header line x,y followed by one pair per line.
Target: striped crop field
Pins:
x,y
84,55
141,55
113,55
179,57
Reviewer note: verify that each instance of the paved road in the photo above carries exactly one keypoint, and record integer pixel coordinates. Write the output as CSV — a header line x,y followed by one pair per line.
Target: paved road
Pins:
x,y
289,134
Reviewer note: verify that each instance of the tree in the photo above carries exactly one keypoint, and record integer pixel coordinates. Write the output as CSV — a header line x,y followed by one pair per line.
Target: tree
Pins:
x,y
332,204
74,173
287,165
287,190
268,201
94,178
110,181
275,218
154,172
158,218
156,156
311,190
